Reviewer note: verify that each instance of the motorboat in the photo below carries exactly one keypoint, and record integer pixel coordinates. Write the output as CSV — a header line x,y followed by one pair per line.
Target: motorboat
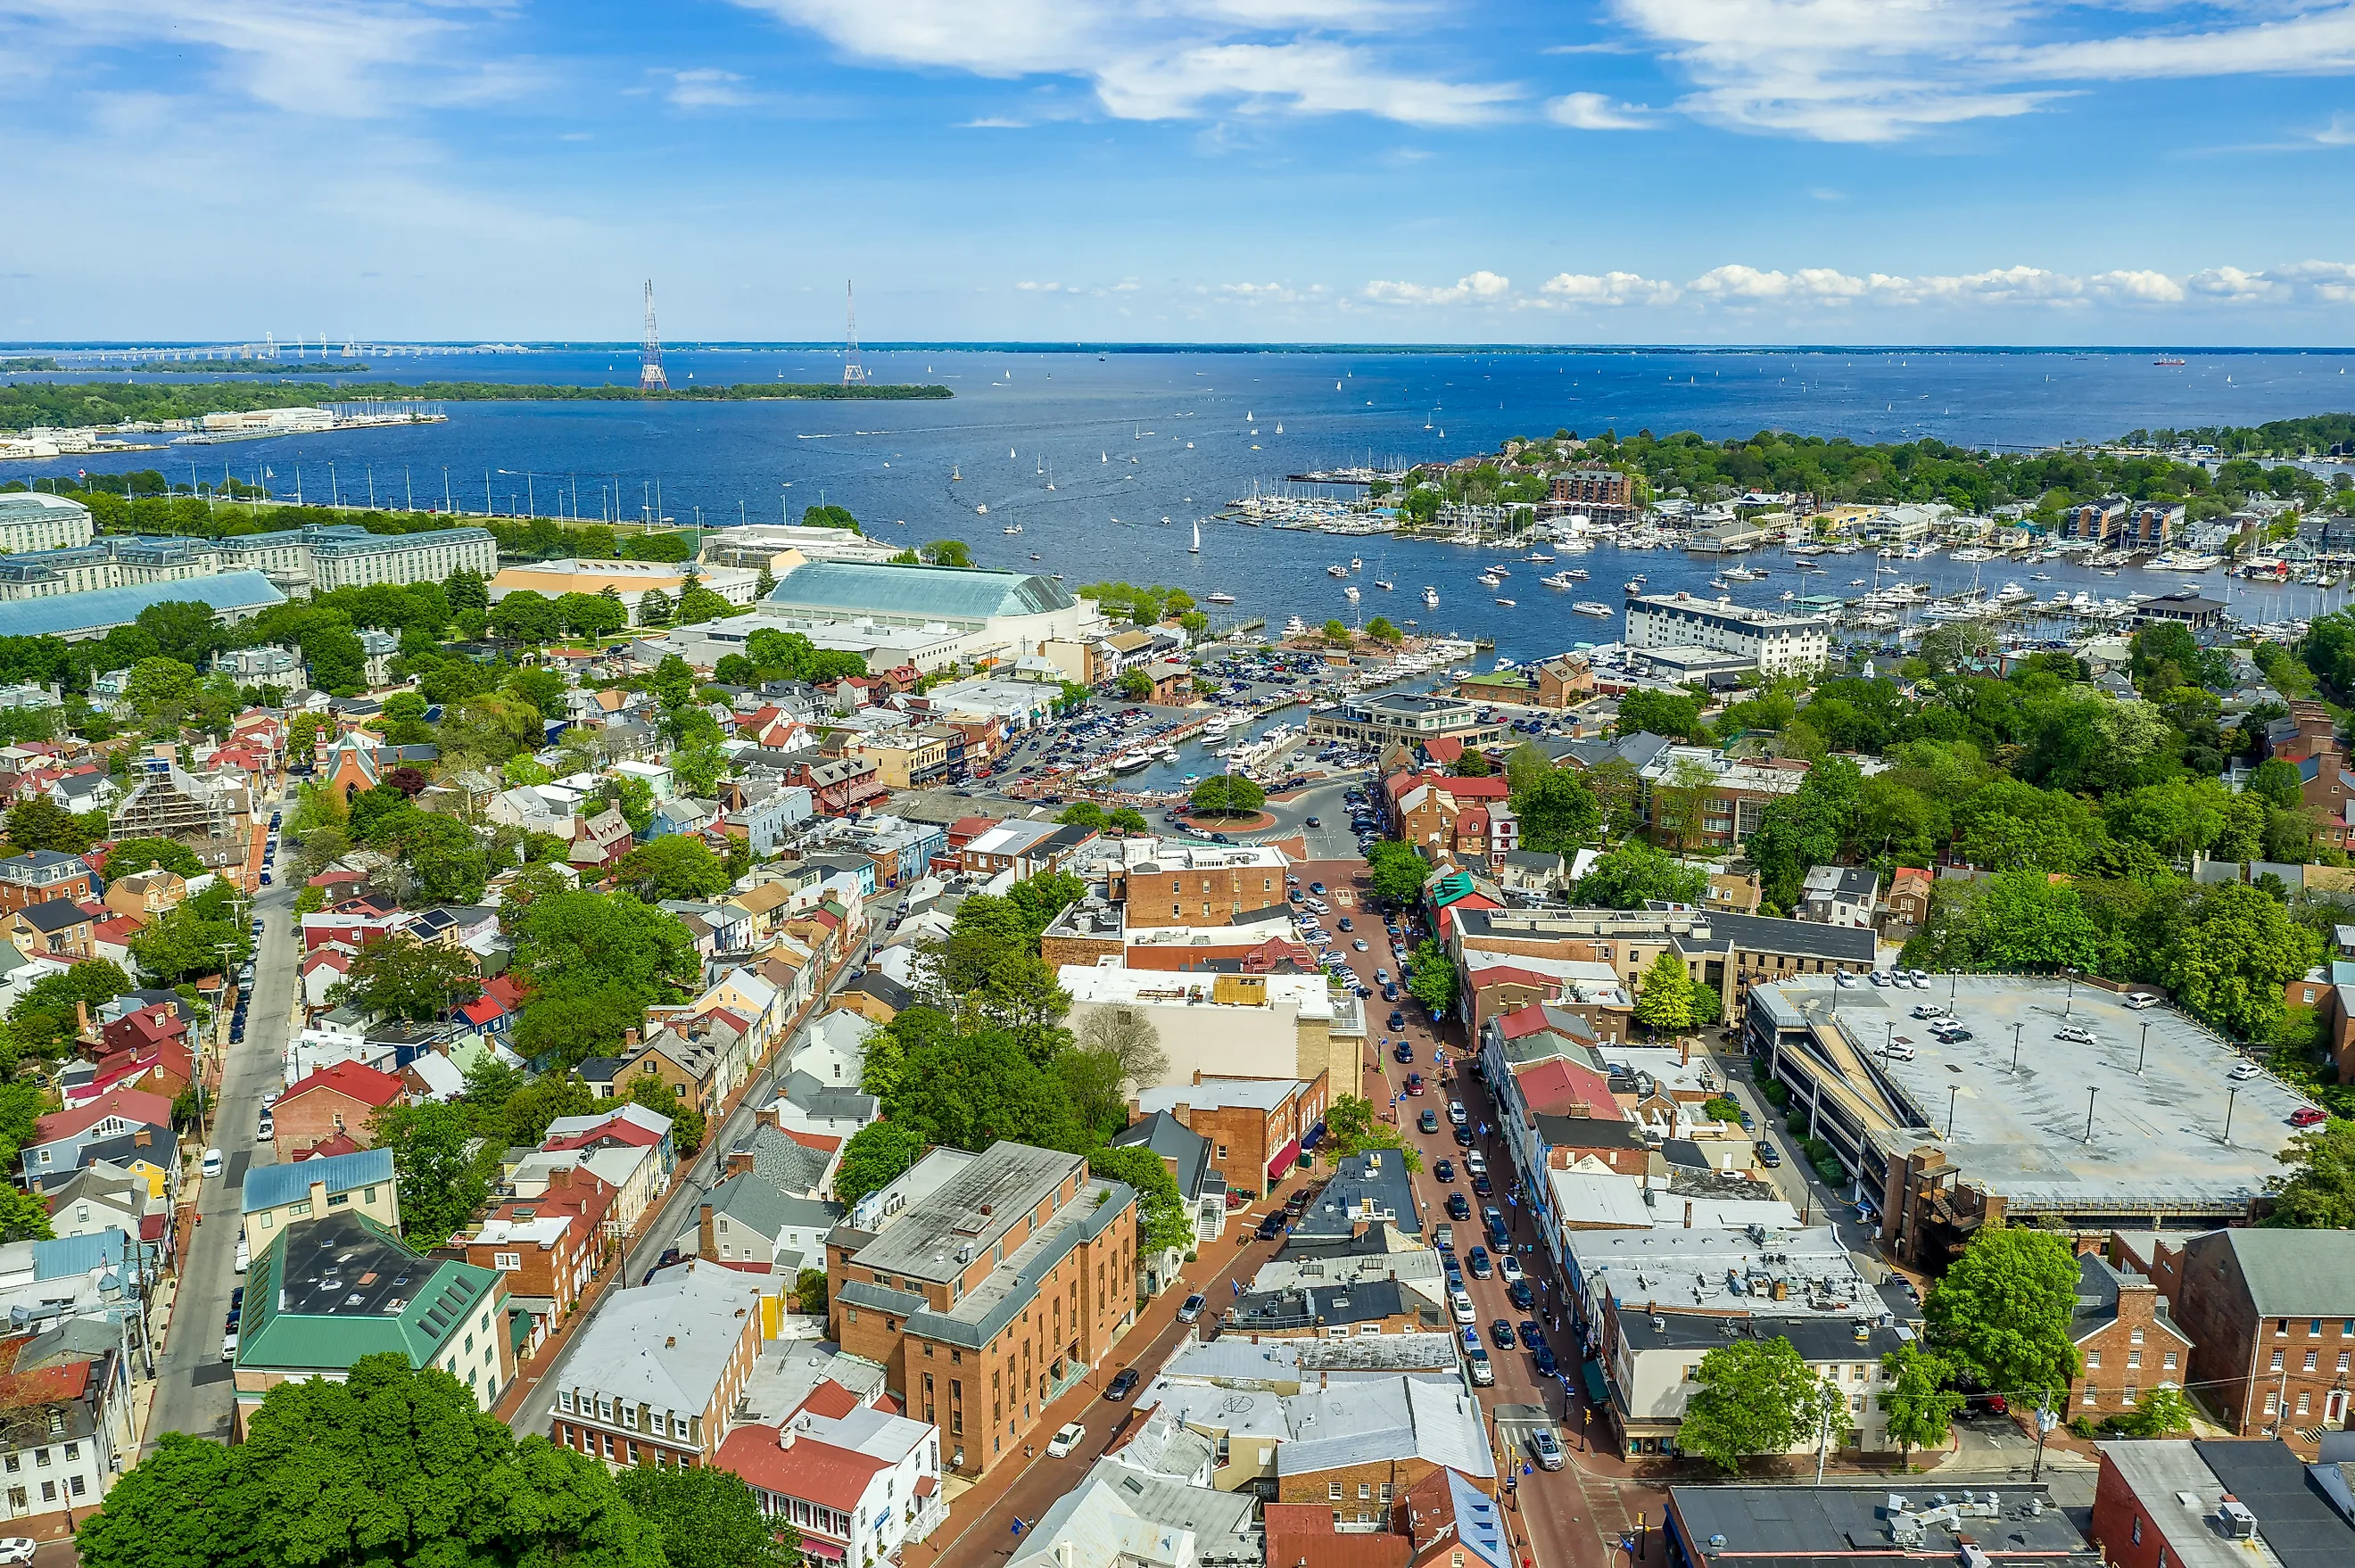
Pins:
x,y
1351,593
1132,762
1430,598
1337,571
1295,627
1589,607
1385,587
1013,529
1560,579
1506,603
1206,598
1578,573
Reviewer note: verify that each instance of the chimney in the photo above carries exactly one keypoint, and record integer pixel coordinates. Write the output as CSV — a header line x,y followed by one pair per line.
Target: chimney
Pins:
x,y
785,1435
1687,1213
81,1017
671,1342
318,1197
629,1040
1062,1554
1684,1052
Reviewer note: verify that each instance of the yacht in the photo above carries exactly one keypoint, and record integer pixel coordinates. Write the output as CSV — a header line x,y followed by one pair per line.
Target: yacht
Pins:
x,y
1221,598
1295,627
1351,593
1719,582
1430,598
1589,607
1740,574
1214,729
1501,571
1356,564
1506,603
1167,754
1132,762
1538,558
1385,587
1014,528
1562,579
1337,571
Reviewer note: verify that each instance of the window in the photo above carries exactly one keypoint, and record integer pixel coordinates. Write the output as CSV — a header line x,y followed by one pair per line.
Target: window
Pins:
x,y
2137,1530
2315,1328
2135,1337
2090,1396
300,1208
1333,1492
2092,1358
564,1399
1365,1492
41,1459
506,1260
2311,1357
2277,1362
2270,1405
2128,1397
73,1452
1386,1491
2133,1358
2304,1402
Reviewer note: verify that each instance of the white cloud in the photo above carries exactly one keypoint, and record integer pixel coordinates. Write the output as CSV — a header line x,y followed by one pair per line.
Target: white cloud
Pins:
x,y
2141,286
992,123
1485,287
1607,288
1595,111
1877,70
1176,59
706,87
1742,284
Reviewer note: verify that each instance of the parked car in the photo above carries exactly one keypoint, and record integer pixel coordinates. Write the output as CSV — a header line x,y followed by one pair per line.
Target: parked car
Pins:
x,y
1457,1114
1123,1383
2308,1116
17,1549
1461,1306
212,1162
1445,1171
2138,1000
2242,1072
1271,1226
1509,1266
1477,1261
1065,1438
1543,1359
2077,1034
1484,1371
1463,1135
1768,1156
229,1346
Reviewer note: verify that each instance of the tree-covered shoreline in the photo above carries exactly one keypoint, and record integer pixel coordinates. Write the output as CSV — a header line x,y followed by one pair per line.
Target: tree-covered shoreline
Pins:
x,y
24,404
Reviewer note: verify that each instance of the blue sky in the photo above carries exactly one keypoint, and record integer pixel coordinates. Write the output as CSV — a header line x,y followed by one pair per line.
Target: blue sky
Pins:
x,y
1872,171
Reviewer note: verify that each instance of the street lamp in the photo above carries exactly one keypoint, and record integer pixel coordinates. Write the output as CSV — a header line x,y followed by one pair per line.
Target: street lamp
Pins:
x,y
2015,1047
2231,1095
1951,1090
2091,1089
2145,1051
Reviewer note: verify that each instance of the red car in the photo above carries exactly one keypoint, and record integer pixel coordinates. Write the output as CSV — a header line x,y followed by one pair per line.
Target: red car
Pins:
x,y
1415,1082
2308,1116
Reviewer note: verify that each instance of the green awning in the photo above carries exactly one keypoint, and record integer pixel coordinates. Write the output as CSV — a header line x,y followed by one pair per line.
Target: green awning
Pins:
x,y
1596,1394
518,1327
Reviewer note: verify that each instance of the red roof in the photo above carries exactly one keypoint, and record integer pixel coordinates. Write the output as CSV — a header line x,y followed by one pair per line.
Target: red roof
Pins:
x,y
1474,822
1521,1022
1493,787
829,1399
333,1143
818,1141
1444,750
810,1470
1562,1088
1297,1519
481,1010
360,1083
1377,1548
132,1104
505,990
1908,874
1512,974
118,930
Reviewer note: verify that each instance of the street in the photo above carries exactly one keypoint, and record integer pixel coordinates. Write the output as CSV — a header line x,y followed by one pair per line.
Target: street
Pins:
x,y
195,1391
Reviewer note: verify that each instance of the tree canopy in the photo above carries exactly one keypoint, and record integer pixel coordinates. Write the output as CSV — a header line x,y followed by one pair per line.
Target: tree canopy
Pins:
x,y
2001,1311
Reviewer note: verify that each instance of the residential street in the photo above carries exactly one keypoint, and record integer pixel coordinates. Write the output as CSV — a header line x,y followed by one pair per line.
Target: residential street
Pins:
x,y
195,1389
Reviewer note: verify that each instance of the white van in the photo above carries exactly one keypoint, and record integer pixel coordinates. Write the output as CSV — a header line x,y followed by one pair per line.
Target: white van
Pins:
x,y
212,1164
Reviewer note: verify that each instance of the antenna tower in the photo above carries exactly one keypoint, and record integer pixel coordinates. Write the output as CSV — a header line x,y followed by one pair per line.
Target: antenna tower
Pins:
x,y
853,373
650,371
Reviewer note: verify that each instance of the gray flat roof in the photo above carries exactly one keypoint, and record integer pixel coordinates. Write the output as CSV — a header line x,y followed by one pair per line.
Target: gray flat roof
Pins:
x,y
1815,1527
2157,1146
974,1208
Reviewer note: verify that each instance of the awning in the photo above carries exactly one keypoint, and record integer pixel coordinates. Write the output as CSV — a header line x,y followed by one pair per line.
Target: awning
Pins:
x,y
1313,1137
812,1546
1283,1158
1596,1394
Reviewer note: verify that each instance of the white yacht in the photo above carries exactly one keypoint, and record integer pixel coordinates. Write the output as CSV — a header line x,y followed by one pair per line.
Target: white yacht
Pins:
x,y
1219,598
1430,598
1560,579
1589,607
1351,593
1295,627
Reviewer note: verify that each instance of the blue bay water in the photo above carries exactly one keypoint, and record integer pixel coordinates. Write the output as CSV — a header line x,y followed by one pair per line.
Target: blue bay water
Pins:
x,y
1132,437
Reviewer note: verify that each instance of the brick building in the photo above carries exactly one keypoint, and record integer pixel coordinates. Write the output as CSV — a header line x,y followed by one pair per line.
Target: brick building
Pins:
x,y
2222,1503
343,1099
550,1248
2271,1317
1255,1124
40,875
1166,882
656,1374
2125,1338
986,1284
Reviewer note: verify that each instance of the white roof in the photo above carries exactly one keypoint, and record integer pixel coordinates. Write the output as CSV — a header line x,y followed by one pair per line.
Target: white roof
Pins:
x,y
1310,994
628,1111
668,1344
1222,1094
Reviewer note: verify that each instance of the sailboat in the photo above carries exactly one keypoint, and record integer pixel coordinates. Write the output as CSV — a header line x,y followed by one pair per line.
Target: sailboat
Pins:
x,y
953,475
1197,548
1279,426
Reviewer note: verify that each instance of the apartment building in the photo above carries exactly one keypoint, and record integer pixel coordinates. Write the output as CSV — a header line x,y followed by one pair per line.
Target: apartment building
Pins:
x,y
2271,1317
41,875
986,1284
550,1249
2127,1340
2100,521
1231,1025
1776,643
34,520
314,558
655,1377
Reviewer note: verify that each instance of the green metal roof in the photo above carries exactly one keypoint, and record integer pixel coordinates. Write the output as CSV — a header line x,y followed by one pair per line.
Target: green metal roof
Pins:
x,y
850,587
330,1291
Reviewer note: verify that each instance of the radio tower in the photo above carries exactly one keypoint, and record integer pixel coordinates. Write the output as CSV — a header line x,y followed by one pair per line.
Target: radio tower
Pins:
x,y
853,373
650,371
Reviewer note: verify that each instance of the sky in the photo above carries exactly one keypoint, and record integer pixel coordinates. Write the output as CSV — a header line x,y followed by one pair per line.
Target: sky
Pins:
x,y
2144,172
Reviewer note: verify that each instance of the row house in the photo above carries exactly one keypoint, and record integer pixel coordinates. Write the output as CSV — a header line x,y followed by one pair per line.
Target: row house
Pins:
x,y
2270,1315
41,876
1425,809
58,929
146,895
2101,521
656,1373
1255,1124
1027,847
551,1248
64,1141
629,1148
338,1101
857,1483
841,787
2127,1338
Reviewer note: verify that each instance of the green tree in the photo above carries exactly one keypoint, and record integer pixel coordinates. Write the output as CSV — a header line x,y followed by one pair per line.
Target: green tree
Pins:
x,y
1129,821
2014,921
48,1014
810,1292
654,608
191,940
676,865
23,1216
948,552
1433,980
874,1156
968,1090
577,943
1351,1128
2233,958
1920,1402
1337,633
1635,874
1664,1004
440,1185
134,855
1082,814
1395,871
1558,813
162,694
2163,1411
1473,764
2002,1311
1380,629
1675,715
1227,795
388,1465
1162,1221
414,980
632,796
706,1517
37,821
1750,1397
2319,1193
1135,685
1091,1080
2278,782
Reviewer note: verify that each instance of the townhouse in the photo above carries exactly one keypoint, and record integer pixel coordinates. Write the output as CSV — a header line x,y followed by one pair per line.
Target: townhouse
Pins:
x,y
857,1483
655,1376
340,1101
1255,1124
550,1249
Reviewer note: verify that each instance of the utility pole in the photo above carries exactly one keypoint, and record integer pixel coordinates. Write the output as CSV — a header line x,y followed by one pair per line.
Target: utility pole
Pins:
x,y
1952,1090
2046,1420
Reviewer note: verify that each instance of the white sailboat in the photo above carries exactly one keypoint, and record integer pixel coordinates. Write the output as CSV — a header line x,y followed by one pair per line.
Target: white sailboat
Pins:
x,y
1197,548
